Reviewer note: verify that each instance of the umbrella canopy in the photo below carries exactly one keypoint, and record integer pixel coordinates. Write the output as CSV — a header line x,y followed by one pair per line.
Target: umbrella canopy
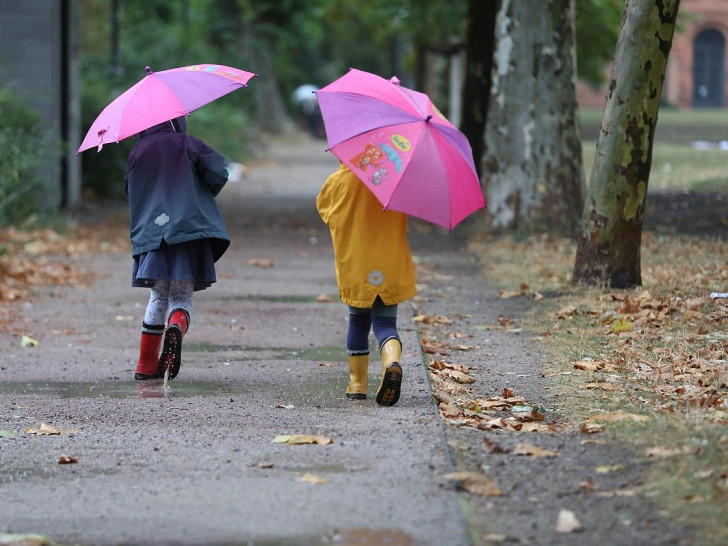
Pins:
x,y
304,92
161,96
401,147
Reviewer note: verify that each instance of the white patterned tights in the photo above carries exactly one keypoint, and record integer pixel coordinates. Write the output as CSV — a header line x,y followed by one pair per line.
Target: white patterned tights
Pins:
x,y
166,296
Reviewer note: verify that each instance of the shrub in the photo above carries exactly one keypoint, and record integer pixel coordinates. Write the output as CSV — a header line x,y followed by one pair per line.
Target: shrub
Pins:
x,y
102,173
21,135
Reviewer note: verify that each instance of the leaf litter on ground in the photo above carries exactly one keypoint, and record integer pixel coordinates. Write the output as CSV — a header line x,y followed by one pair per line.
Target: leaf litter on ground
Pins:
x,y
647,366
32,258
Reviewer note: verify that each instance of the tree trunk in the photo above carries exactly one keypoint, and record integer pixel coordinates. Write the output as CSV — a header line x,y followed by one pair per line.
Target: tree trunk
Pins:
x,y
270,110
272,116
608,250
479,49
533,165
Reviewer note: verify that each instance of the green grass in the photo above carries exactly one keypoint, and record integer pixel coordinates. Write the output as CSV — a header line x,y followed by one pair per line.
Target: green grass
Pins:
x,y
678,167
708,117
676,163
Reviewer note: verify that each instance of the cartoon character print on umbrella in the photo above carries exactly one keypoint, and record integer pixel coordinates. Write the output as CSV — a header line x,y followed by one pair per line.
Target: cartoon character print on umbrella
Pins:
x,y
378,155
438,181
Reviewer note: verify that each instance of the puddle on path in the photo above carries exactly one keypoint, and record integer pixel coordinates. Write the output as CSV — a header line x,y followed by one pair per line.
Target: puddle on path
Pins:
x,y
324,392
111,389
328,353
43,473
318,469
327,391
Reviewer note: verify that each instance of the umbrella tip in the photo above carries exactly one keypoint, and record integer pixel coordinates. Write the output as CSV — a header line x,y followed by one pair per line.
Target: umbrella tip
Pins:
x,y
149,70
428,118
394,80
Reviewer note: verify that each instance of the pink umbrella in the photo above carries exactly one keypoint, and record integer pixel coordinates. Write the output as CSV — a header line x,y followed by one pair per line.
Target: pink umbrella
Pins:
x,y
161,96
404,150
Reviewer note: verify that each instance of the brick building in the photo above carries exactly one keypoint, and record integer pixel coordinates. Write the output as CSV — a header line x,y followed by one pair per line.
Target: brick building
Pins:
x,y
698,66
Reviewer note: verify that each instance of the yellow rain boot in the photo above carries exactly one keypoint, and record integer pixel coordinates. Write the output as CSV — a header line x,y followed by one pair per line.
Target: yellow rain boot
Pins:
x,y
358,376
390,385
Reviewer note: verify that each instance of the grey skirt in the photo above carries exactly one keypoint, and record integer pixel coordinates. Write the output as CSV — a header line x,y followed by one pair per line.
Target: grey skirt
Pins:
x,y
189,261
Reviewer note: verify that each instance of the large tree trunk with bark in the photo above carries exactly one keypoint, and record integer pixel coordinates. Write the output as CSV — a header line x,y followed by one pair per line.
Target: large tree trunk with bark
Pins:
x,y
533,165
479,50
608,250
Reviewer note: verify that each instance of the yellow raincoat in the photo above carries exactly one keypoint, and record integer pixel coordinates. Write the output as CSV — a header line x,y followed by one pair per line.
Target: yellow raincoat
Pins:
x,y
372,255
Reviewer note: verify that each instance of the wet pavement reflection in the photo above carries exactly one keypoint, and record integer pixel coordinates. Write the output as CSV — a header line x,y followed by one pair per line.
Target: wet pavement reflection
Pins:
x,y
112,389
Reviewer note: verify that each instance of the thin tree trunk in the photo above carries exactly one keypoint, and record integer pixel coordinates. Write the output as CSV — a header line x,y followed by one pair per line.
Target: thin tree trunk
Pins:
x,y
479,49
608,250
533,164
271,114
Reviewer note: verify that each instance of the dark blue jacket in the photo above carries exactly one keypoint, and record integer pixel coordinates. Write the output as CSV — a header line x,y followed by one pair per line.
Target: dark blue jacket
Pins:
x,y
171,181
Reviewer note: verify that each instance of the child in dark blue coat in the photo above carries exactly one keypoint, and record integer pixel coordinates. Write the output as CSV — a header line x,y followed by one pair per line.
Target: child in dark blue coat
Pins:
x,y
177,235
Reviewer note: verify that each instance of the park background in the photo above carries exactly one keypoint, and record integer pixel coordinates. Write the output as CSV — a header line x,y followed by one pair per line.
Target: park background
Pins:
x,y
657,350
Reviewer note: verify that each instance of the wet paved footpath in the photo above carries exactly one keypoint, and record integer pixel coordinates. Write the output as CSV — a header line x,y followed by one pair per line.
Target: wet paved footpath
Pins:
x,y
264,357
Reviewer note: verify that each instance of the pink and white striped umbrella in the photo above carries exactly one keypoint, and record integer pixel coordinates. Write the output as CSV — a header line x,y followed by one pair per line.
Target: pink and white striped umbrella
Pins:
x,y
401,147
161,96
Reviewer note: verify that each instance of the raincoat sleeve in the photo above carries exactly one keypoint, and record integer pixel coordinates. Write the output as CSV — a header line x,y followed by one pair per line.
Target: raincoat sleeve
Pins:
x,y
129,163
326,199
210,167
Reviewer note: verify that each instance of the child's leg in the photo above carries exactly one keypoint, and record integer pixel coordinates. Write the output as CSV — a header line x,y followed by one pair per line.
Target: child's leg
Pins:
x,y
178,321
357,346
180,304
152,331
384,324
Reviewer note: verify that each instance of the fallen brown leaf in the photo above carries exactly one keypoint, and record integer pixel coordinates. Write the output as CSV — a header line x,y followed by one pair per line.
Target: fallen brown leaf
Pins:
x,y
619,416
449,411
66,459
300,439
534,451
475,484
261,262
617,493
44,429
432,319
312,478
588,365
591,428
662,451
509,294
460,377
608,469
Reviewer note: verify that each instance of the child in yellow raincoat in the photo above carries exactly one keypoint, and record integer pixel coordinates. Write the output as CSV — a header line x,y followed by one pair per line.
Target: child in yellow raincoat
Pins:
x,y
375,273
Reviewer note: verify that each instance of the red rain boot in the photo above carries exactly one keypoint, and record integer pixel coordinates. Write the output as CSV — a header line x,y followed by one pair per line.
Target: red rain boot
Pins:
x,y
171,357
149,351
